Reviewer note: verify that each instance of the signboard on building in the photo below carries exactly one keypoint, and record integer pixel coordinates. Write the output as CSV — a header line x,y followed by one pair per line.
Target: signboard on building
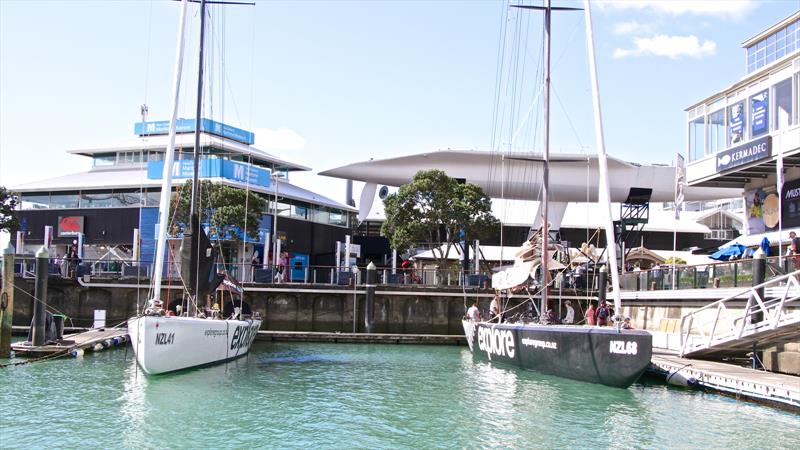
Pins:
x,y
188,126
743,154
213,168
736,123
69,226
759,113
790,211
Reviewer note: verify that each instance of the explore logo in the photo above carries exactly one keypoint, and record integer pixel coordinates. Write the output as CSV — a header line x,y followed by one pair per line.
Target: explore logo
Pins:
x,y
495,341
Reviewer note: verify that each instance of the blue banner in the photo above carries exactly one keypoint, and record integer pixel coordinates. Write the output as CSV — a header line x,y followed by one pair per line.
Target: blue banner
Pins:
x,y
736,123
213,168
759,113
188,126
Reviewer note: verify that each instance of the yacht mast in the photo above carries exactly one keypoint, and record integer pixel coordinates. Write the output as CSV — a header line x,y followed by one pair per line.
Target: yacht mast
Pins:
x,y
546,175
166,184
604,196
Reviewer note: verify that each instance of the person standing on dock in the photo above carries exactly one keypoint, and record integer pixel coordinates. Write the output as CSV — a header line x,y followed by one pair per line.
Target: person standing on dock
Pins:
x,y
569,319
254,264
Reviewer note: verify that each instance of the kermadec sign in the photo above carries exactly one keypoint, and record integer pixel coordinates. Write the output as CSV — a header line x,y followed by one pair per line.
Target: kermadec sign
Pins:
x,y
213,168
743,154
188,125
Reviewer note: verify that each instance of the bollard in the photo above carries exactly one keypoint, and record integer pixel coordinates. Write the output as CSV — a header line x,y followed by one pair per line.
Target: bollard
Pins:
x,y
7,302
369,307
40,296
759,276
602,285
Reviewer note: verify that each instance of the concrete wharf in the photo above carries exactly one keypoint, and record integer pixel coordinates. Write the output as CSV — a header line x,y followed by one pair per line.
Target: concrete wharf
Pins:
x,y
88,340
741,382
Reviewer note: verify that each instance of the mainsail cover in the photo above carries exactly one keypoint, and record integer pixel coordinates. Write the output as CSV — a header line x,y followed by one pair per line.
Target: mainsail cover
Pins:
x,y
526,260
197,260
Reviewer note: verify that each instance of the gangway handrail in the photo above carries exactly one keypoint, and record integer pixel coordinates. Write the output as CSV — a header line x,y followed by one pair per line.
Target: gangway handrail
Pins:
x,y
772,310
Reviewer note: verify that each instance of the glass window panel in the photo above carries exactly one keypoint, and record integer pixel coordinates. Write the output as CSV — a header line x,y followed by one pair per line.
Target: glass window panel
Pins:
x,y
97,200
155,156
781,34
106,159
127,198
770,40
783,104
35,201
65,201
696,138
780,52
761,45
716,131
770,57
736,123
320,215
759,113
338,218
152,198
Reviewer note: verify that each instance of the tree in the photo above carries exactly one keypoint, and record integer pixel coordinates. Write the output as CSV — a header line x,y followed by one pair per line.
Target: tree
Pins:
x,y
677,260
8,204
224,208
436,209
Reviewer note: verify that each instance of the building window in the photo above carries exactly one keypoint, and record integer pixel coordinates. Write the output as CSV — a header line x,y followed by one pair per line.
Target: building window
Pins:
x,y
98,200
35,201
784,115
774,47
696,138
716,131
104,160
759,113
64,201
736,123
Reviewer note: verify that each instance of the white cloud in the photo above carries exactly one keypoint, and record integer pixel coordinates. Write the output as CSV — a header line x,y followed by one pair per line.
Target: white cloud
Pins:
x,y
632,27
280,139
728,9
670,46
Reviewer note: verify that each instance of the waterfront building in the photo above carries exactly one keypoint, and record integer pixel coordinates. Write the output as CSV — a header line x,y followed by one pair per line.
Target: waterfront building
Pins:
x,y
747,135
120,193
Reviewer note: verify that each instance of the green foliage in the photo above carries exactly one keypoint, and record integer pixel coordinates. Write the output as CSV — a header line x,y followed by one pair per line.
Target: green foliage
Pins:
x,y
226,206
8,218
675,260
433,209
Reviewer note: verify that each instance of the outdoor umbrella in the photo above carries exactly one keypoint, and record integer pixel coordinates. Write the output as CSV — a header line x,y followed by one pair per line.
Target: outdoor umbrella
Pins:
x,y
765,245
728,252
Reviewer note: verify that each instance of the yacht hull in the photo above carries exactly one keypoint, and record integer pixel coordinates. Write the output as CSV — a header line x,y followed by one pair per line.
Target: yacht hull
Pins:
x,y
165,344
593,354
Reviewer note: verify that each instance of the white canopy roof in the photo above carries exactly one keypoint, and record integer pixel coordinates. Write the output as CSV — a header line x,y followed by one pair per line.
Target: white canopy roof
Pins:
x,y
755,239
573,177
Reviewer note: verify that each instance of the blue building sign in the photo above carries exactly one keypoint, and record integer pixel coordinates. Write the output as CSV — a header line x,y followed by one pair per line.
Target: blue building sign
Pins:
x,y
213,168
188,125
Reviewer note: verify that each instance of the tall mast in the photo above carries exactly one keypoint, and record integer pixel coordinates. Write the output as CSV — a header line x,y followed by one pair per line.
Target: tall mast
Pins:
x,y
604,194
546,176
198,116
546,180
166,184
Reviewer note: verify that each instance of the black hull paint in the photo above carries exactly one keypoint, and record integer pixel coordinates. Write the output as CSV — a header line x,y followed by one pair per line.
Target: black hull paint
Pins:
x,y
593,354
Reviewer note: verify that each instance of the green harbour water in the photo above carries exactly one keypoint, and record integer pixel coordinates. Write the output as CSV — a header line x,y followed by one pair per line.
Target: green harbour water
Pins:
x,y
304,395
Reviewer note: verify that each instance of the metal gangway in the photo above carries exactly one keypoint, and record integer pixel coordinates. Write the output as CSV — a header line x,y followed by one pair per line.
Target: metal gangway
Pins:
x,y
724,329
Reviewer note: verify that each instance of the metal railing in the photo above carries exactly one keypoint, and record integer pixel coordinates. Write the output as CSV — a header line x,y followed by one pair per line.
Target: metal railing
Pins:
x,y
718,323
730,274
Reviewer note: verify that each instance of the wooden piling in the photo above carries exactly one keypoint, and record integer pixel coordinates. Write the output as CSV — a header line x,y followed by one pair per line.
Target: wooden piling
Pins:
x,y
7,302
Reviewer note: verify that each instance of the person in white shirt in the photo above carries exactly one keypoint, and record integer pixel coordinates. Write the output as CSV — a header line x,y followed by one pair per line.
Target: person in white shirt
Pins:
x,y
473,313
569,319
494,309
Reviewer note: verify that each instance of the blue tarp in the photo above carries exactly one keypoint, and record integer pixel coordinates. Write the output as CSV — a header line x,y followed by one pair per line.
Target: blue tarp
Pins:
x,y
726,253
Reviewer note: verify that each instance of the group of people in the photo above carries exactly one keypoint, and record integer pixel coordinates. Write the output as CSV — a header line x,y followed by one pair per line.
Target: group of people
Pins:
x,y
600,316
68,263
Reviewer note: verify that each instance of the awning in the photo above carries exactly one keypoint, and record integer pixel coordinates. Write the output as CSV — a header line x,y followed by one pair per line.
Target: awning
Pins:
x,y
754,240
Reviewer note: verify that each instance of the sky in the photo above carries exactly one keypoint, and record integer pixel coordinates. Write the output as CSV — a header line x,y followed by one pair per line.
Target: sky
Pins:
x,y
327,83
